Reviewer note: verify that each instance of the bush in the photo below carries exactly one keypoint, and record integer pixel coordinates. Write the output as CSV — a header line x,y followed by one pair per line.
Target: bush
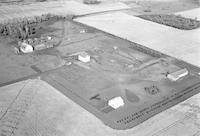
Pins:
x,y
91,1
41,0
173,21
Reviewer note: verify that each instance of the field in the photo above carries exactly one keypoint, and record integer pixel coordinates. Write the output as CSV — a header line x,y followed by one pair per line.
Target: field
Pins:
x,y
162,6
63,8
193,13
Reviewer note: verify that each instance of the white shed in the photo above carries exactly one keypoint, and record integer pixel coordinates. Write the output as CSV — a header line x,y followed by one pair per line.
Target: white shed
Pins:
x,y
83,57
177,74
116,102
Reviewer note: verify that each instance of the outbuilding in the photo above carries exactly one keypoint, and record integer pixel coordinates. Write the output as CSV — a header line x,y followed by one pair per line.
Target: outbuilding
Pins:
x,y
84,57
177,74
116,102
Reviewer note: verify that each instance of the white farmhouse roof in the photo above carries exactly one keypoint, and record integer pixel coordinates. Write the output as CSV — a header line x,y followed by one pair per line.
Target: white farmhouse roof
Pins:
x,y
26,48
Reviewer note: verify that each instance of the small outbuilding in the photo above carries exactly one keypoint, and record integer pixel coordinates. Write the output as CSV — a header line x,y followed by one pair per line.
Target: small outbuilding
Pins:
x,y
116,102
177,74
84,57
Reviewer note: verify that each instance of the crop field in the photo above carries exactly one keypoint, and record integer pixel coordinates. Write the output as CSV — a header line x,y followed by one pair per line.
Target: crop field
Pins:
x,y
63,8
193,13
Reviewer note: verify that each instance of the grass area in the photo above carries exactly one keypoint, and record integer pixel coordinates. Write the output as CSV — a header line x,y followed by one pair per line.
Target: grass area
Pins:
x,y
173,21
